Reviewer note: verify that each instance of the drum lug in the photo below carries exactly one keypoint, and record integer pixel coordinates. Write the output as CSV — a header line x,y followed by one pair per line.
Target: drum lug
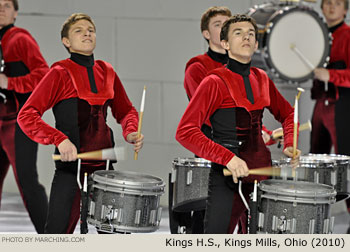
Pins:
x,y
137,217
334,178
293,226
189,177
325,226
316,177
331,225
348,174
181,229
159,214
274,223
312,226
92,208
120,215
152,217
261,218
173,175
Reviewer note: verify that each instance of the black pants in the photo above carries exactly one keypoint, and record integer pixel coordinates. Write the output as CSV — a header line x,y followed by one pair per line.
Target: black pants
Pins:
x,y
224,206
64,189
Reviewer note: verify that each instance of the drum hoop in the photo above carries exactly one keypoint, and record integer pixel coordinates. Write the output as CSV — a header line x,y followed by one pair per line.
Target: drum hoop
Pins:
x,y
129,191
122,228
128,184
323,200
311,194
192,162
326,51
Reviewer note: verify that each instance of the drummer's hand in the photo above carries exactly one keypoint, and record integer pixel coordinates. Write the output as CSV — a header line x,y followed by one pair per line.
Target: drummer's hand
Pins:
x,y
238,168
279,140
137,142
3,81
67,150
321,74
265,136
289,153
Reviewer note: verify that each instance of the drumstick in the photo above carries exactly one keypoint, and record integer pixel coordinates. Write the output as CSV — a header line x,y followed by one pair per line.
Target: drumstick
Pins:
x,y
265,171
302,127
104,154
302,57
140,119
295,127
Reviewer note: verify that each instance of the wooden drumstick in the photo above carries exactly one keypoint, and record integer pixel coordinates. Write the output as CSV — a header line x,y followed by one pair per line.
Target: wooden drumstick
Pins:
x,y
295,131
140,118
265,171
301,56
302,127
104,154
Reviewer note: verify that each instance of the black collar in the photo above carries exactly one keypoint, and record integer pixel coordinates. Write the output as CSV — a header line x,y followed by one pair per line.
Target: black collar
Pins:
x,y
5,29
334,28
238,67
83,60
218,57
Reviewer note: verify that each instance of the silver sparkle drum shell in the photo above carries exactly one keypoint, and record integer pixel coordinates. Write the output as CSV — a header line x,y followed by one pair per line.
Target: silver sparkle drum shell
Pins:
x,y
125,202
330,169
190,177
282,24
295,207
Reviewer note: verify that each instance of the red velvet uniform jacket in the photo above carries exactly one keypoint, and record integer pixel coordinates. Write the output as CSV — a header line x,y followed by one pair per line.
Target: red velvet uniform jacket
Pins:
x,y
24,67
197,69
80,114
340,52
213,98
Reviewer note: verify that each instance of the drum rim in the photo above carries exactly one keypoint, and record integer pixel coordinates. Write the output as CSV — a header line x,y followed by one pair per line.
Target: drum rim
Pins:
x,y
265,55
191,162
328,191
118,183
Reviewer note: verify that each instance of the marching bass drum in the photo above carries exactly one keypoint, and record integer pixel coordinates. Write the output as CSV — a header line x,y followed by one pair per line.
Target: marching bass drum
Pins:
x,y
292,38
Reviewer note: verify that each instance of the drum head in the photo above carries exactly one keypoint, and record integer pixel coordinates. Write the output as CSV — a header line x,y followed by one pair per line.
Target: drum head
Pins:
x,y
192,162
297,27
128,180
297,189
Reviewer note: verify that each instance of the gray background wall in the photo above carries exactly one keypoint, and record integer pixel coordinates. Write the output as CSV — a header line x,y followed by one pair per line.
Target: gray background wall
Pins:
x,y
148,42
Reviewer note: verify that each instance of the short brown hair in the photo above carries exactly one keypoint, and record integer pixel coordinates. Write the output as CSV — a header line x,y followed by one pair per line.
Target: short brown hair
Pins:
x,y
346,4
72,20
212,12
236,19
15,4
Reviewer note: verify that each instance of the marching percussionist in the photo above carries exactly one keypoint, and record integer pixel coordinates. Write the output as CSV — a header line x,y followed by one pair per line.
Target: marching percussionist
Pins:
x,y
233,98
22,67
331,87
79,90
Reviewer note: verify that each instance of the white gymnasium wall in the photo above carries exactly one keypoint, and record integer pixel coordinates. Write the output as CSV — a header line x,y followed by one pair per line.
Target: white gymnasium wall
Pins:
x,y
148,42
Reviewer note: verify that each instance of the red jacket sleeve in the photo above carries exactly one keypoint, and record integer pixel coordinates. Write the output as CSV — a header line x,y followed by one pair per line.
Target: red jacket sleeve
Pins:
x,y
283,112
205,101
51,89
194,74
123,110
29,52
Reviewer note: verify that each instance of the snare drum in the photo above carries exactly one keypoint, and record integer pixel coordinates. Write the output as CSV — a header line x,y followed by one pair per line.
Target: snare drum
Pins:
x,y
190,180
282,25
327,169
125,202
295,207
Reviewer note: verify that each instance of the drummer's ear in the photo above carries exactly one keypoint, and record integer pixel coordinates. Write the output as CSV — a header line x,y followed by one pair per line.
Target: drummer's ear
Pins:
x,y
206,34
256,45
224,44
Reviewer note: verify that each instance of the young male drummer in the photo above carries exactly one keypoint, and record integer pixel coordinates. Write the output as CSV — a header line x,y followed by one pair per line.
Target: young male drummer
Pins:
x,y
330,118
79,90
233,99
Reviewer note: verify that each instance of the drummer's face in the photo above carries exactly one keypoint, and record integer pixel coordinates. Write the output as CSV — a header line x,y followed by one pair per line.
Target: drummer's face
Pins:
x,y
241,43
334,11
214,29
